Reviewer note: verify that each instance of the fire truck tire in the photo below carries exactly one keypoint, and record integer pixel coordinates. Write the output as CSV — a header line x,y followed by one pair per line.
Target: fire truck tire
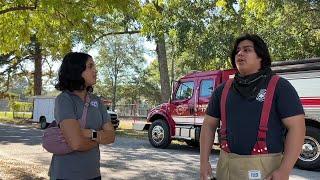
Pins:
x,y
309,158
159,135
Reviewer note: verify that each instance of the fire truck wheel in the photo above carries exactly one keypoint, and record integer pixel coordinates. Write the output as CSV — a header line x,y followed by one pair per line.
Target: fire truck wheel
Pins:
x,y
309,159
159,135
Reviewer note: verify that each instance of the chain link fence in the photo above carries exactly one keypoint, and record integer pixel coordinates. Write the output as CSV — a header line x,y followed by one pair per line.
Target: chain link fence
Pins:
x,y
132,110
18,109
25,112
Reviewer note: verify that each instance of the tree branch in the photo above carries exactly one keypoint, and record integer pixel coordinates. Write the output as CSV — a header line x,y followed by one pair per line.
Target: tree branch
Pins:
x,y
156,5
116,33
11,67
20,8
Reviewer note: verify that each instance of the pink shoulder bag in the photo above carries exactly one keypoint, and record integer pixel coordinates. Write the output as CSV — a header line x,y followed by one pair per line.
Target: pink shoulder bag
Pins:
x,y
53,140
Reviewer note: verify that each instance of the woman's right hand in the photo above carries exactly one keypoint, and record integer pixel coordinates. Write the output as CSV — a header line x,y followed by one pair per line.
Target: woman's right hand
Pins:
x,y
205,171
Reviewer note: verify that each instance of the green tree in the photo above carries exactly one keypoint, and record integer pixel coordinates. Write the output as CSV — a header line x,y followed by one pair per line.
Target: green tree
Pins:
x,y
149,84
147,18
205,31
52,28
120,61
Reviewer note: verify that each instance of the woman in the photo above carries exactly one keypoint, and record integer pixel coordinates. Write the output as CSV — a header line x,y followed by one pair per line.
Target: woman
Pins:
x,y
76,77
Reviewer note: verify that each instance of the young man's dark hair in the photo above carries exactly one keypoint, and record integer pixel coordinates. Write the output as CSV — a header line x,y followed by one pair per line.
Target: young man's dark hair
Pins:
x,y
260,47
69,76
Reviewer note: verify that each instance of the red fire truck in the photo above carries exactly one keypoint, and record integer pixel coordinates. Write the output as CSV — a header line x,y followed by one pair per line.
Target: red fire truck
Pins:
x,y
181,118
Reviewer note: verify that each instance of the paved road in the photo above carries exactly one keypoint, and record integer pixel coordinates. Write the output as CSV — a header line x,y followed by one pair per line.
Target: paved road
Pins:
x,y
128,158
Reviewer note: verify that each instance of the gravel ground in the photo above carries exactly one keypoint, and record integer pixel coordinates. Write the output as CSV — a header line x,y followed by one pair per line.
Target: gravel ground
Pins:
x,y
22,157
15,169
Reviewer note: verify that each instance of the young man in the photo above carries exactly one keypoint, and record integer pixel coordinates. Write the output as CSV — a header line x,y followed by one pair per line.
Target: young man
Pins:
x,y
239,156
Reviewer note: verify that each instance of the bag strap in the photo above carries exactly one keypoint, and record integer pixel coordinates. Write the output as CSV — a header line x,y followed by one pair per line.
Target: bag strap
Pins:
x,y
261,145
83,120
223,131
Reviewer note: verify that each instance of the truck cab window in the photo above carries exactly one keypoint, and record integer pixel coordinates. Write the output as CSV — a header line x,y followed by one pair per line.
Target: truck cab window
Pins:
x,y
185,90
206,87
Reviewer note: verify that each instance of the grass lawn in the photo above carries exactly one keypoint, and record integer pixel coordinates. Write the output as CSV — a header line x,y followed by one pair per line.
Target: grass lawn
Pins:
x,y
126,129
9,115
15,121
6,115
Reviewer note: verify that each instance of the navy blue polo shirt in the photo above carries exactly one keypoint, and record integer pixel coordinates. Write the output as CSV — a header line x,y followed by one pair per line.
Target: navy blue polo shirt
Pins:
x,y
243,116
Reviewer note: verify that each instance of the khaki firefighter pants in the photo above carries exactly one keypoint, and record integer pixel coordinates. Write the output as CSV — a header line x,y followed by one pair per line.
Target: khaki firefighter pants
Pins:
x,y
243,167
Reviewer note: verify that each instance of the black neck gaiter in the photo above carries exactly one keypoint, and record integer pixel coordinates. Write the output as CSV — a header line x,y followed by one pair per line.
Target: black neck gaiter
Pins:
x,y
249,86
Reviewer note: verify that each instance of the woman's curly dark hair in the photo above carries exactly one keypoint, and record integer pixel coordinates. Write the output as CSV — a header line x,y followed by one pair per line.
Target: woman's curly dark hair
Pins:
x,y
260,47
70,72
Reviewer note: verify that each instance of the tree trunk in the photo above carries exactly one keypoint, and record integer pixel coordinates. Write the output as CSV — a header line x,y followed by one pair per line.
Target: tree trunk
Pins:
x,y
163,68
114,88
114,92
37,68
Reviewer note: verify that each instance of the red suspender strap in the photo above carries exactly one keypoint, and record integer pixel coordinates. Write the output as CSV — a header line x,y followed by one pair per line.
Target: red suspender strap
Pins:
x,y
223,131
261,146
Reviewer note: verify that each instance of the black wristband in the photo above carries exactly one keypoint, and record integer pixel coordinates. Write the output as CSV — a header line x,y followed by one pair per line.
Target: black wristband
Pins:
x,y
94,134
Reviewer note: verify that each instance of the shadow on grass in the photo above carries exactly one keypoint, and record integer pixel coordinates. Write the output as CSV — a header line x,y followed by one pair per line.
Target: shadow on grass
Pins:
x,y
15,121
25,175
132,133
29,135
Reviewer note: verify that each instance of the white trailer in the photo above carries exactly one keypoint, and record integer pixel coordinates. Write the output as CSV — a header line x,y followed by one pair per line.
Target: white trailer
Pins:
x,y
43,110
